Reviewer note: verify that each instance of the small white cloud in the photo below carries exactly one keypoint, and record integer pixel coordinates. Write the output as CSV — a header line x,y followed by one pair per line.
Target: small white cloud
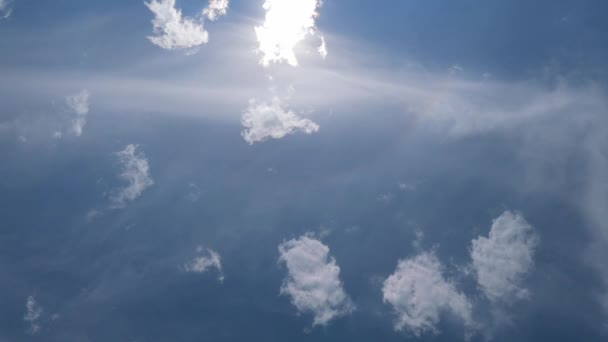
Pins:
x,y
93,214
202,264
216,9
136,171
174,31
194,192
33,311
419,294
313,280
386,198
287,23
79,105
5,9
502,260
272,120
406,187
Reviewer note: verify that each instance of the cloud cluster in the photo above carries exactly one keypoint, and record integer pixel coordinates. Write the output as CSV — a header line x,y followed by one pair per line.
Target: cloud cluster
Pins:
x,y
313,280
136,172
272,120
33,311
79,105
174,31
502,260
202,264
286,24
419,294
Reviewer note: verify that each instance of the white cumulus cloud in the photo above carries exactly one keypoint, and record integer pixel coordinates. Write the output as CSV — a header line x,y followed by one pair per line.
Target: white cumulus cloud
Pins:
x,y
79,105
502,260
136,171
216,9
313,280
287,23
33,311
172,30
272,120
204,263
419,294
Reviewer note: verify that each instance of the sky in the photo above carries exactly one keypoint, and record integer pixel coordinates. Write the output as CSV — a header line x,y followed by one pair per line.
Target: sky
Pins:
x,y
303,170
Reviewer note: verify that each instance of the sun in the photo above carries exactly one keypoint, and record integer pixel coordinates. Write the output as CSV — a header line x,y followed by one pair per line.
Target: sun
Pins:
x,y
287,23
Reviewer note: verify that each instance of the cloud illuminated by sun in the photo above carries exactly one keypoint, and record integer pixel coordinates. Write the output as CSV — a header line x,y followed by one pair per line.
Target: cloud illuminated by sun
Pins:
x,y
286,24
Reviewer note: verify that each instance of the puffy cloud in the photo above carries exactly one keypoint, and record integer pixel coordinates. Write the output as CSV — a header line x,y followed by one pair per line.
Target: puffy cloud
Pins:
x,y
202,264
501,260
79,105
272,120
313,281
216,9
136,172
287,23
173,30
419,294
33,311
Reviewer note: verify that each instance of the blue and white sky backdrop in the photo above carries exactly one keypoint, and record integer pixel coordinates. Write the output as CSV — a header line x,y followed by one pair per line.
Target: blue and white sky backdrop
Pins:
x,y
298,170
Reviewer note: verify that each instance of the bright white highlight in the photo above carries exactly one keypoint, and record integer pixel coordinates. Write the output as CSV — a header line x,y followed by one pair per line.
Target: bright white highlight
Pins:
x,y
287,23
203,264
79,104
313,280
419,294
136,172
323,48
502,260
272,120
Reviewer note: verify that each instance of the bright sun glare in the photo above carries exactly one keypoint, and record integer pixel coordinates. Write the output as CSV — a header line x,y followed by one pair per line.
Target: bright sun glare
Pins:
x,y
287,23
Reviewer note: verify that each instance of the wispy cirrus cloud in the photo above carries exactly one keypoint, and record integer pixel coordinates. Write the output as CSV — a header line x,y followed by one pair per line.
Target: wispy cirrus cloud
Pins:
x,y
313,280
33,311
174,31
68,118
419,294
287,23
78,104
263,120
136,172
5,9
502,260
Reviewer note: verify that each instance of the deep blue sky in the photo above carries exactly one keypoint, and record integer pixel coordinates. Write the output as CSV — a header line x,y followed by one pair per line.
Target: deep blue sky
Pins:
x,y
436,117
